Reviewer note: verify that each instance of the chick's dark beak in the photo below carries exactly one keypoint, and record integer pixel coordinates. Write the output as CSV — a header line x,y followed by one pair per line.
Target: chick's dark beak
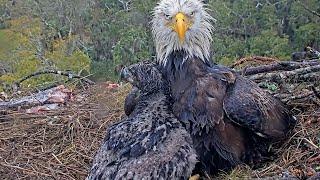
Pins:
x,y
125,75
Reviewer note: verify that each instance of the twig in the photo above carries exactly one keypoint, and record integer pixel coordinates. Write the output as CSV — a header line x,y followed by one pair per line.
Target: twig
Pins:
x,y
57,158
311,143
27,170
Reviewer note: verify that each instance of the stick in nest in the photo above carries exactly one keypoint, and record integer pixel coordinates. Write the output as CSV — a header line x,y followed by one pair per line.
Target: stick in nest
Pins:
x,y
279,66
253,59
286,74
316,92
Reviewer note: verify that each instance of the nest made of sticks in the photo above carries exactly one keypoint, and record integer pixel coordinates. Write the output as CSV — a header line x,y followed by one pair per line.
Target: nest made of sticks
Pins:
x,y
61,144
58,144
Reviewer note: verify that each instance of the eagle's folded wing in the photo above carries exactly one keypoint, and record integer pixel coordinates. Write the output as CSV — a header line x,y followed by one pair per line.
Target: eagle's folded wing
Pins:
x,y
249,106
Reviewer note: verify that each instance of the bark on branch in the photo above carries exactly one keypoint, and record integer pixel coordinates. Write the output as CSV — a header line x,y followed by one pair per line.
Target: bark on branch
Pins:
x,y
294,83
279,66
286,74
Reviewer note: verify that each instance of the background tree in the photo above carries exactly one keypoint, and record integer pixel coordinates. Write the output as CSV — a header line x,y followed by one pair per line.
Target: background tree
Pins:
x,y
120,34
102,35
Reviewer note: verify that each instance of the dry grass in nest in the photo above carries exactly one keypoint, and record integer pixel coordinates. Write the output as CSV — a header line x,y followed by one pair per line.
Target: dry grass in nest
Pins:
x,y
60,144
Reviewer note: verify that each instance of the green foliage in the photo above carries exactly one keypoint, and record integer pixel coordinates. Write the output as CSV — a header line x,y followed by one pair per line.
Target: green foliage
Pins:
x,y
132,46
270,86
75,62
101,35
307,35
3,13
266,28
268,43
18,51
120,36
103,71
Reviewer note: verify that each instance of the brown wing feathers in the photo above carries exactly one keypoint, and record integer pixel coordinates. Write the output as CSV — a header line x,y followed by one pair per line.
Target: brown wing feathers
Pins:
x,y
226,112
249,106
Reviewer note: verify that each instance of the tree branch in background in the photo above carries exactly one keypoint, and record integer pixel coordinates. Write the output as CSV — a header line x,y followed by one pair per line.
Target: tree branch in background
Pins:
x,y
70,75
309,10
125,4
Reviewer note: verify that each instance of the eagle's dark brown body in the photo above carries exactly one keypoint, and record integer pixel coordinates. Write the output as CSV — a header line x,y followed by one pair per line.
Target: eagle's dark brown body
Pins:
x,y
230,118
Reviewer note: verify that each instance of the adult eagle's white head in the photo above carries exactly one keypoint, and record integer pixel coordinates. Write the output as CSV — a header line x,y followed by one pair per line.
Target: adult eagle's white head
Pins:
x,y
182,25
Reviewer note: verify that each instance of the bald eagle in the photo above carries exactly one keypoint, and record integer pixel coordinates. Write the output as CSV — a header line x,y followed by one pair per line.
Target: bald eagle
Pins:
x,y
230,118
150,143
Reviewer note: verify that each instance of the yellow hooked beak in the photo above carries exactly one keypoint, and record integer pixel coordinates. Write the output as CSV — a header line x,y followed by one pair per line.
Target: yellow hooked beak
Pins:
x,y
181,25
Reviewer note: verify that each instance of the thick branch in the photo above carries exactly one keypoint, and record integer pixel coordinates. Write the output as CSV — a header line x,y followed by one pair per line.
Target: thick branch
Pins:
x,y
279,66
310,77
286,74
289,97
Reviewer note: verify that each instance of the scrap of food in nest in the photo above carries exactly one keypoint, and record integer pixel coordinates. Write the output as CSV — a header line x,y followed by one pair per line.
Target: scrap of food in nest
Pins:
x,y
56,95
150,143
42,109
60,95
111,86
231,119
